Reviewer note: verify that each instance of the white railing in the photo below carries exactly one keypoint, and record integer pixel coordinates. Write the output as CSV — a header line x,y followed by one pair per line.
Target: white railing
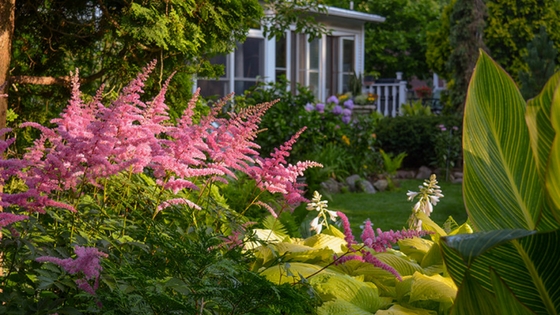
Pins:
x,y
391,94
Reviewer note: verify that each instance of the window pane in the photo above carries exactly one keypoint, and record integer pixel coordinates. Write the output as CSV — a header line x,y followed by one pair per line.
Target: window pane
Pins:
x,y
241,86
347,55
314,54
220,60
213,88
314,83
249,61
281,52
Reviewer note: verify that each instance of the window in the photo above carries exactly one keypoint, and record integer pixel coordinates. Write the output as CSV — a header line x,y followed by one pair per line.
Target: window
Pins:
x,y
309,63
219,87
249,64
346,63
242,69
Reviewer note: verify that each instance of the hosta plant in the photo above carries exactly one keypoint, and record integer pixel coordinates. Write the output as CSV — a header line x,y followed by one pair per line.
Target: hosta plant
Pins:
x,y
367,277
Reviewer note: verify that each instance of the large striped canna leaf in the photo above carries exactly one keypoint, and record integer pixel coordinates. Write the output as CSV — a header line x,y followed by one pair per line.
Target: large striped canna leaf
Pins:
x,y
502,186
504,272
540,119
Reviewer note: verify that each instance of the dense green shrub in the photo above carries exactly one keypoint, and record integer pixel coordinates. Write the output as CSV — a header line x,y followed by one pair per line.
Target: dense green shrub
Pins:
x,y
413,135
343,143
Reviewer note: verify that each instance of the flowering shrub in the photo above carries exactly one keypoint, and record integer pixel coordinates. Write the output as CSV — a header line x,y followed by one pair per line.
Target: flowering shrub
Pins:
x,y
132,194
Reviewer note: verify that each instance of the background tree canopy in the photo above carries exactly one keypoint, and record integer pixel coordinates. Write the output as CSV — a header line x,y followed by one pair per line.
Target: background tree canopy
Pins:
x,y
109,41
508,28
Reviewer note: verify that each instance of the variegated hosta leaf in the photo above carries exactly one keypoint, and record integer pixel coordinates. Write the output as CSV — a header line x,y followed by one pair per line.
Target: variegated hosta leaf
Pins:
x,y
502,188
522,262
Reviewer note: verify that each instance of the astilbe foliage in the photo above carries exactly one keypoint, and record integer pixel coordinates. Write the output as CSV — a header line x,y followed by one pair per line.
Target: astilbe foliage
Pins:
x,y
85,162
378,243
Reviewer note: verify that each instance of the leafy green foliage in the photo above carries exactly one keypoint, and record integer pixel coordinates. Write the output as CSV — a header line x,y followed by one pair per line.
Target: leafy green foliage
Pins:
x,y
399,44
413,135
513,24
541,62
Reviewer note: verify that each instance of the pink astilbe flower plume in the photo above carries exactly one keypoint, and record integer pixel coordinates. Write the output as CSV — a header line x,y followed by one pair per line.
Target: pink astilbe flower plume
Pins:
x,y
379,243
87,262
7,218
275,175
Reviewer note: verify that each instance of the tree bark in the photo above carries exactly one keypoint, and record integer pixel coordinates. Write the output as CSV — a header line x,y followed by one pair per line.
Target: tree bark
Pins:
x,y
7,19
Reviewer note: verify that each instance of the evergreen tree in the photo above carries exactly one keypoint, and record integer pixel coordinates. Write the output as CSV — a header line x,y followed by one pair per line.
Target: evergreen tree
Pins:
x,y
541,62
465,38
512,24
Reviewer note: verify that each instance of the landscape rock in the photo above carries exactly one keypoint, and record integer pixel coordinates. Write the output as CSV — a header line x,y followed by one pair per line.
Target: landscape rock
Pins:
x,y
351,181
381,185
424,173
365,186
331,186
405,174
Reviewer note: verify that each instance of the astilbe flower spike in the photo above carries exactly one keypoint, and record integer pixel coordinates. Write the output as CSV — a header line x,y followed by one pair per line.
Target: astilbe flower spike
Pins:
x,y
378,243
272,174
87,262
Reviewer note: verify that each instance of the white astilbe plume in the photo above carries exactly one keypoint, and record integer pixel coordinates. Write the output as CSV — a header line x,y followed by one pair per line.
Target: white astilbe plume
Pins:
x,y
428,197
321,207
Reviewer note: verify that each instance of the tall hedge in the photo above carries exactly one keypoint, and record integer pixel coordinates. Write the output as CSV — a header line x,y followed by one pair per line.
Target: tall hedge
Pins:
x,y
413,135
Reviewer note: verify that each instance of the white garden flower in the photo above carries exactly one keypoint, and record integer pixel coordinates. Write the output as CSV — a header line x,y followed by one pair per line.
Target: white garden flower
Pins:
x,y
428,197
320,206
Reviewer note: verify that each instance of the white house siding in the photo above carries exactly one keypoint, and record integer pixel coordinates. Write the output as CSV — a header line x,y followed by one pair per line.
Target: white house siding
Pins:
x,y
342,23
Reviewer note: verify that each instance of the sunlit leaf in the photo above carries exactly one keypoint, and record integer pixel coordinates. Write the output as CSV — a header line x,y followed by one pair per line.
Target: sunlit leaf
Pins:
x,y
502,188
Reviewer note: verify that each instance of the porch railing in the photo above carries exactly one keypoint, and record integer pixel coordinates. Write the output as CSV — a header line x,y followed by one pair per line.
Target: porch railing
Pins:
x,y
391,94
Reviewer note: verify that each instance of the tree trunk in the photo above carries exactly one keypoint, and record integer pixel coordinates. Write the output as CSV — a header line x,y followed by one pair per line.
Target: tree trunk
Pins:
x,y
7,19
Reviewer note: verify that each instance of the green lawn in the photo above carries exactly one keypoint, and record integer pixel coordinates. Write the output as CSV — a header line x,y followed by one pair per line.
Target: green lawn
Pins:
x,y
390,210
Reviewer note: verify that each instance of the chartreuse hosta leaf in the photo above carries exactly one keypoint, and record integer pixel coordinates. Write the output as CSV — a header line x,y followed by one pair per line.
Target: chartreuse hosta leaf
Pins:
x,y
502,187
523,263
429,292
401,310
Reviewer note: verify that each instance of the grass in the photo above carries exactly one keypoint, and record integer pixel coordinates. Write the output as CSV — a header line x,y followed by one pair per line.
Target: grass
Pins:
x,y
391,210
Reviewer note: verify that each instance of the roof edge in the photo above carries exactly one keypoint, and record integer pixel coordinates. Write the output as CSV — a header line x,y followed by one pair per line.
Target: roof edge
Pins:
x,y
351,14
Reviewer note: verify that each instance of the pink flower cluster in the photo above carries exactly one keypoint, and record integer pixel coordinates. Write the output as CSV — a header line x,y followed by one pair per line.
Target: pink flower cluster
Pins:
x,y
92,141
378,243
87,262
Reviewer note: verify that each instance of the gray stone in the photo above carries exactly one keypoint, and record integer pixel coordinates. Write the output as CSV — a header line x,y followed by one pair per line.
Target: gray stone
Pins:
x,y
404,174
351,181
381,185
458,174
331,186
457,180
365,186
423,173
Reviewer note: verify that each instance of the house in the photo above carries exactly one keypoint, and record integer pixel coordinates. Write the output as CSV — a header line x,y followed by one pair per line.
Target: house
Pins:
x,y
325,64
